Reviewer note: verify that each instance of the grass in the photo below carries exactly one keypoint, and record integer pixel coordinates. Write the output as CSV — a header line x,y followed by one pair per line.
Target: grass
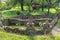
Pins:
x,y
9,13
9,36
13,11
59,22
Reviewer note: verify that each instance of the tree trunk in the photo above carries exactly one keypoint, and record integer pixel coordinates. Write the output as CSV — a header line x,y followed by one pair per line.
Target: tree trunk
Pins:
x,y
49,5
42,5
22,4
42,8
48,10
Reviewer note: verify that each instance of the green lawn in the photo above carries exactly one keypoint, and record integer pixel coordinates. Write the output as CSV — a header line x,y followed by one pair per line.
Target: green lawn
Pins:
x,y
13,12
8,36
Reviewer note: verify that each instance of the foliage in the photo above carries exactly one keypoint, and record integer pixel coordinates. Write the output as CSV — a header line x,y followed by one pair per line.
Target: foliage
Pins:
x,y
12,3
4,6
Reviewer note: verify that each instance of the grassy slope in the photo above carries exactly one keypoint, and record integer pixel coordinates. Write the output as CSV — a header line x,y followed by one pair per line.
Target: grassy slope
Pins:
x,y
8,36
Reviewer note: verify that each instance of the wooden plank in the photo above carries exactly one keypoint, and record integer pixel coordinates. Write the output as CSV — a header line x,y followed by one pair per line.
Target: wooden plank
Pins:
x,y
32,19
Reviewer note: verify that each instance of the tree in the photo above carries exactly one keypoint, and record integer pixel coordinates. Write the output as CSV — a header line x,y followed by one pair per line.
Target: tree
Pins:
x,y
52,4
22,3
42,5
13,3
49,4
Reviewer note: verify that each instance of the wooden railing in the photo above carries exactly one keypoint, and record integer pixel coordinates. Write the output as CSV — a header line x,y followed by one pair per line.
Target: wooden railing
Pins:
x,y
27,19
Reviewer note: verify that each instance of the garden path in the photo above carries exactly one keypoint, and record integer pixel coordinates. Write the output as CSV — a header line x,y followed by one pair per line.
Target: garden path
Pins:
x,y
56,30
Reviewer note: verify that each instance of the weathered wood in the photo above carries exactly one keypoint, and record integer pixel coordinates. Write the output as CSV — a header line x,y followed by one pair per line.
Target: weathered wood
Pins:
x,y
50,26
27,19
54,22
30,30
